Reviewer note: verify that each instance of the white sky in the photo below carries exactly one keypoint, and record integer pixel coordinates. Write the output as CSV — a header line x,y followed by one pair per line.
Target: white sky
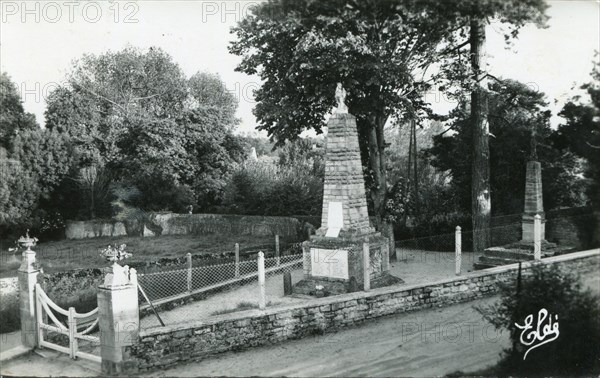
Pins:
x,y
39,39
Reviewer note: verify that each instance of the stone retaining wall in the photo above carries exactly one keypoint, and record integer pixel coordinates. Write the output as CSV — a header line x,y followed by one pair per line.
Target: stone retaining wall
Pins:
x,y
194,224
166,346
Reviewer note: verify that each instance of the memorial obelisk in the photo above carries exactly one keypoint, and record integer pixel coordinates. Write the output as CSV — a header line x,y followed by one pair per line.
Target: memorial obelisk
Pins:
x,y
333,258
523,250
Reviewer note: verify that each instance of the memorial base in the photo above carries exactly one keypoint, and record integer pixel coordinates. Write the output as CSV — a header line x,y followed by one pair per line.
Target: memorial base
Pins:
x,y
518,252
337,265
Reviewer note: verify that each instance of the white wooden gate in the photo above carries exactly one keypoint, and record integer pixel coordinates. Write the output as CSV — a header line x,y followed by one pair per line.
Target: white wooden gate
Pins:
x,y
77,328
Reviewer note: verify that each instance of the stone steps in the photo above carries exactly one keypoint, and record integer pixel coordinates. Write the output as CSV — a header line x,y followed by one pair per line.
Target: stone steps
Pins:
x,y
519,255
516,252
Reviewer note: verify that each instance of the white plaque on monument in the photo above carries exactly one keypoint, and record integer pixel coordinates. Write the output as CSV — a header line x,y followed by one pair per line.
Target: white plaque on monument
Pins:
x,y
331,263
335,219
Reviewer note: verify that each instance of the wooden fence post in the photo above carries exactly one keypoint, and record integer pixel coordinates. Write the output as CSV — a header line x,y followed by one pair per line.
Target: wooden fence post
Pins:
x,y
262,300
366,266
237,260
277,252
189,272
458,250
537,237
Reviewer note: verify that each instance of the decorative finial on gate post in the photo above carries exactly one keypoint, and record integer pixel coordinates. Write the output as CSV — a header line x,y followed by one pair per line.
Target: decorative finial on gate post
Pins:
x,y
340,97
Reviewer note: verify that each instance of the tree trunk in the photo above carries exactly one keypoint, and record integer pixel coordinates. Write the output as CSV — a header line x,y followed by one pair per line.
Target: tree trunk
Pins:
x,y
92,204
480,176
378,190
415,162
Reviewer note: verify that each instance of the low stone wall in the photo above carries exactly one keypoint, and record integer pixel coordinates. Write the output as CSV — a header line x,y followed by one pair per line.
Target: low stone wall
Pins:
x,y
166,346
192,224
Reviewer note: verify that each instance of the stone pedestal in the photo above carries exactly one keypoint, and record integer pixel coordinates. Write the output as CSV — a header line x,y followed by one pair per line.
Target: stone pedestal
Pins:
x,y
527,227
337,264
333,258
27,277
119,323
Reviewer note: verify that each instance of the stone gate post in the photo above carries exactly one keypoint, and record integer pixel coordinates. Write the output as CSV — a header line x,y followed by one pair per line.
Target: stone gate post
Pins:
x,y
27,277
119,320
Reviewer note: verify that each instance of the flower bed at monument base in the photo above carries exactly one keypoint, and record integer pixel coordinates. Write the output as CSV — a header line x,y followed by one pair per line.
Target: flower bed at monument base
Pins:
x,y
166,346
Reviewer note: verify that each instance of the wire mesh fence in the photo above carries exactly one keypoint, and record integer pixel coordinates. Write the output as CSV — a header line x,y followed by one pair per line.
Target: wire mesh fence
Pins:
x,y
172,287
201,292
570,232
499,235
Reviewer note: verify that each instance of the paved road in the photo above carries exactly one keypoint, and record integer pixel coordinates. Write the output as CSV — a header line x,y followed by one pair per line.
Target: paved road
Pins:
x,y
428,343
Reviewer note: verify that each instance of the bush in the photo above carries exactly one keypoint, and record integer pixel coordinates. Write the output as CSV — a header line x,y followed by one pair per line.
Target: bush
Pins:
x,y
577,349
263,189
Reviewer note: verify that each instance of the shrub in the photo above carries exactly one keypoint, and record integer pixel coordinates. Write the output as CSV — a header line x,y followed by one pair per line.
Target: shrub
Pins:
x,y
263,189
576,350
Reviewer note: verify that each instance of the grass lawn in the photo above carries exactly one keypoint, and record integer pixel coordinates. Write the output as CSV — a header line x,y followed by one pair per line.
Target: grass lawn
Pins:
x,y
84,253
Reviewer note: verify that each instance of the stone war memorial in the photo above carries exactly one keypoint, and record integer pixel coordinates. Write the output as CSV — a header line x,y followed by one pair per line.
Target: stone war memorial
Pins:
x,y
336,256
523,250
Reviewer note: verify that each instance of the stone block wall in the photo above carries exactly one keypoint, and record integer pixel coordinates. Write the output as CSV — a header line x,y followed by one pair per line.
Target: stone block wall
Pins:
x,y
166,346
193,224
573,228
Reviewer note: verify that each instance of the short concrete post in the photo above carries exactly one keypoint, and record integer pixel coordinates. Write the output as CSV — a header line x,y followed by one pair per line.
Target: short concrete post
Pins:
x,y
27,277
458,250
237,260
262,298
277,252
119,320
366,266
287,283
385,257
537,237
306,263
189,272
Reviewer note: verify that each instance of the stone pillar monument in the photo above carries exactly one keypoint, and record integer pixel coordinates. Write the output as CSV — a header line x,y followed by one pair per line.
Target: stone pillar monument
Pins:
x,y
119,319
534,203
27,277
533,243
333,256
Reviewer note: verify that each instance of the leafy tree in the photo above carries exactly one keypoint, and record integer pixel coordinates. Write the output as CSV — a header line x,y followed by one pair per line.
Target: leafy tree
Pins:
x,y
575,352
19,193
581,133
471,18
208,91
13,117
44,153
514,111
378,50
33,170
133,115
33,160
292,186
